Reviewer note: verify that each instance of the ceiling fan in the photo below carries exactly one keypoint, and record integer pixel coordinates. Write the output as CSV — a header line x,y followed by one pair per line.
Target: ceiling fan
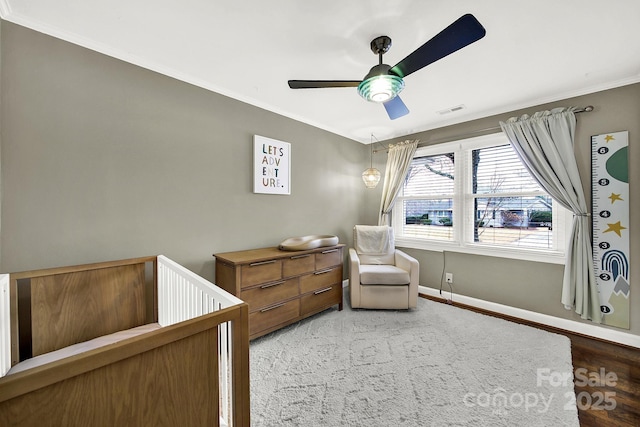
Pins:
x,y
383,83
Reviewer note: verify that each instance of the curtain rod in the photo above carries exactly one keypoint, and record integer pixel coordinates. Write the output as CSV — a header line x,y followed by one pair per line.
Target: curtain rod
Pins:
x,y
587,109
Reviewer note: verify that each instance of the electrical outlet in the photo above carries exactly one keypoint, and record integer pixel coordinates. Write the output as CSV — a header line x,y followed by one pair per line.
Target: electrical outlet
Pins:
x,y
448,277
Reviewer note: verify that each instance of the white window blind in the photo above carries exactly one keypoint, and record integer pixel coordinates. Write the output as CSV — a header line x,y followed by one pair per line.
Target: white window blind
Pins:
x,y
514,210
476,196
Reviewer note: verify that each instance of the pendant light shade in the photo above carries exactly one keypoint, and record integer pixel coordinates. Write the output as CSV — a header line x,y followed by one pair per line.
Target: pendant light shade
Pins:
x,y
371,176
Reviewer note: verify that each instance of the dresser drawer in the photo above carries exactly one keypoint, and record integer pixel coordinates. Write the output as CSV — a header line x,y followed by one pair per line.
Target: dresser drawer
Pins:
x,y
320,279
261,272
274,315
270,293
282,287
298,264
321,299
328,258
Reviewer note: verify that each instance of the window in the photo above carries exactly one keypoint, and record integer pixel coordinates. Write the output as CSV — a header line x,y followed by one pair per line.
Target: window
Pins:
x,y
476,196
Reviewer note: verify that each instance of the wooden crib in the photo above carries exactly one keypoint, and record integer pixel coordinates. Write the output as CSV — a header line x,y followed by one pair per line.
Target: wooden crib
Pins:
x,y
141,342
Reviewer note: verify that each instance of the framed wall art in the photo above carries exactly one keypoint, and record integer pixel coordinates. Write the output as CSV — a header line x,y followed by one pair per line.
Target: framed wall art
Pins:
x,y
271,166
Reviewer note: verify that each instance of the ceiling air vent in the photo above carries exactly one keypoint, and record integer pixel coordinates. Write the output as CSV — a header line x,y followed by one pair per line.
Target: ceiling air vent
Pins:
x,y
452,109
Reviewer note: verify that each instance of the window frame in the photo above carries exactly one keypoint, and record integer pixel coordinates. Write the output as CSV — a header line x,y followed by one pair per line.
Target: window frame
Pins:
x,y
463,207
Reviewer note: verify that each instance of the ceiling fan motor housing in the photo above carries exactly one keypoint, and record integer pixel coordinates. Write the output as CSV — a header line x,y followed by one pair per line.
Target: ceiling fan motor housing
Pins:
x,y
381,45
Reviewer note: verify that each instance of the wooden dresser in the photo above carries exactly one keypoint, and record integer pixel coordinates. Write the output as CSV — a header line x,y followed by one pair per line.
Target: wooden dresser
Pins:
x,y
282,287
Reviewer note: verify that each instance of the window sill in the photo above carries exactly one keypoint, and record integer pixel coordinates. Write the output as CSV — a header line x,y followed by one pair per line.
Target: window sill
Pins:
x,y
549,257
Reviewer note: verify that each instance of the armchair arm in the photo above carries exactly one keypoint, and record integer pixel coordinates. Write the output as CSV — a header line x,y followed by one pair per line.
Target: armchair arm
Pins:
x,y
354,277
410,264
354,267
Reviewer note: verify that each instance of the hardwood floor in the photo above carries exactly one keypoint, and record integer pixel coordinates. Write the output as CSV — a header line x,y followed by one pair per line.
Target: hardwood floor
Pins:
x,y
610,396
606,377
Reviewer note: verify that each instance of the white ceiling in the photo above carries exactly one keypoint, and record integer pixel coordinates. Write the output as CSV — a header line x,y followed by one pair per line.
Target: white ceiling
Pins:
x,y
534,52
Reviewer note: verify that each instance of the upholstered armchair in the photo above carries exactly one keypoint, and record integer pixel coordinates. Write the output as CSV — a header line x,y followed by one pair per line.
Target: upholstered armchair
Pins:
x,y
381,276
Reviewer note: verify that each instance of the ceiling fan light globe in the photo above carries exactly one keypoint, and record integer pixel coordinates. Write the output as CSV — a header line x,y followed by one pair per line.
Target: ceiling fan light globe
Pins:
x,y
380,88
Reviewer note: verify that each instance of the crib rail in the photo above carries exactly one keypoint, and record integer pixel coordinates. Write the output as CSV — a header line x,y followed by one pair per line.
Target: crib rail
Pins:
x,y
5,328
192,309
184,295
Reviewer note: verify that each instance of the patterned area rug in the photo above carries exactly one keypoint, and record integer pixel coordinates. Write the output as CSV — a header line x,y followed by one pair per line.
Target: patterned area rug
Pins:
x,y
437,365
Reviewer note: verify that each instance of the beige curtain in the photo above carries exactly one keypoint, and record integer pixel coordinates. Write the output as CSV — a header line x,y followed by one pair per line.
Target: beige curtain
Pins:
x,y
398,162
544,143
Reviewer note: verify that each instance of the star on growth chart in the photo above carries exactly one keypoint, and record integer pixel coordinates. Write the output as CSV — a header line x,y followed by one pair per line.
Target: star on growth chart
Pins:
x,y
615,197
609,138
616,227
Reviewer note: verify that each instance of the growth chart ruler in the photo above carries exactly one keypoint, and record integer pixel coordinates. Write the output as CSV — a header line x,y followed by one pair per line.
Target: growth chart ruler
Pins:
x,y
610,221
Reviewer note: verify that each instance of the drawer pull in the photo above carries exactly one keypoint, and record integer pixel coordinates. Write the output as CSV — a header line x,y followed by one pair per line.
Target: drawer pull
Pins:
x,y
264,310
321,291
300,256
272,284
323,271
329,251
253,264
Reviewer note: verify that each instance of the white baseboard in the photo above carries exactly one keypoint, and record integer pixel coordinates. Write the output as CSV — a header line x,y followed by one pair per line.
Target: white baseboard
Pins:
x,y
591,330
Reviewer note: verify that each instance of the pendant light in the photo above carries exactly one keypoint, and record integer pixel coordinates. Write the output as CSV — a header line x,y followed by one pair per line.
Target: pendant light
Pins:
x,y
371,176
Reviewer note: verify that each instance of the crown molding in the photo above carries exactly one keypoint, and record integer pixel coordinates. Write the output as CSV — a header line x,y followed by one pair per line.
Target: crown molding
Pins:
x,y
512,107
9,15
90,44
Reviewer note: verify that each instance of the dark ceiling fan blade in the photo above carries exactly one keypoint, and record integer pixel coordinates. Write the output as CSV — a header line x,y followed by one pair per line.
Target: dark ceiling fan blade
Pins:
x,y
462,32
395,108
317,84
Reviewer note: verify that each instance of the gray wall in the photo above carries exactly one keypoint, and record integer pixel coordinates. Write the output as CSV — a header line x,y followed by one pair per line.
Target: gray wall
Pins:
x,y
105,160
530,285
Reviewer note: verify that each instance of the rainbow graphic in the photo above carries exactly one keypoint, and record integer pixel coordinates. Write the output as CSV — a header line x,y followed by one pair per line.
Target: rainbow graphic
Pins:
x,y
610,220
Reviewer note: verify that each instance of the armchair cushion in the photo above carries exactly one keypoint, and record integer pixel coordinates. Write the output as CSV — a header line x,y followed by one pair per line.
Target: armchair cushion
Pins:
x,y
383,275
374,244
